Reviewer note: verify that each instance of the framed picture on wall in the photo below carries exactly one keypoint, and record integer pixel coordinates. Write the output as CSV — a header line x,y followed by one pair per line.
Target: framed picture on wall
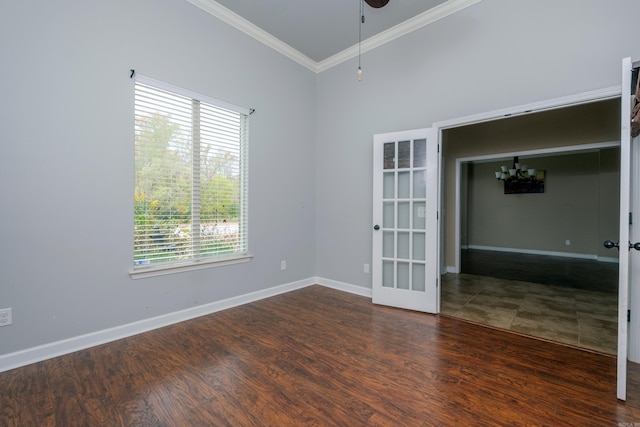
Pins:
x,y
528,184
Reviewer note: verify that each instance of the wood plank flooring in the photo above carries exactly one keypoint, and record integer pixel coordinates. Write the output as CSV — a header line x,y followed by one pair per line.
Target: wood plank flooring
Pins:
x,y
320,357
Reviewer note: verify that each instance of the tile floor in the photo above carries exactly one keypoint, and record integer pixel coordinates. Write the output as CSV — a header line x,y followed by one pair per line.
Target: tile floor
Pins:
x,y
578,317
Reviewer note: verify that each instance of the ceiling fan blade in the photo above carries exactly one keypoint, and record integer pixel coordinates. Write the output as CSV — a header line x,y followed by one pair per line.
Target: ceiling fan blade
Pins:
x,y
377,3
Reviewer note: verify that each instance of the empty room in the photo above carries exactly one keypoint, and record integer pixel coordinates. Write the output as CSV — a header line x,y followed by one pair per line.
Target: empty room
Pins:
x,y
238,212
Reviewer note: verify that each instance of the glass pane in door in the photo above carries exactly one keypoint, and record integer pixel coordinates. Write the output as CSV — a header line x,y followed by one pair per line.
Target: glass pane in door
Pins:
x,y
419,246
418,279
404,185
420,184
403,245
420,153
388,244
419,215
389,155
388,274
404,215
388,185
388,214
404,154
403,275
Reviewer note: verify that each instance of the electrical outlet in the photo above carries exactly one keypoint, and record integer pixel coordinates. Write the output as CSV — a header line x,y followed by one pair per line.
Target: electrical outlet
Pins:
x,y
283,265
5,317
366,268
567,242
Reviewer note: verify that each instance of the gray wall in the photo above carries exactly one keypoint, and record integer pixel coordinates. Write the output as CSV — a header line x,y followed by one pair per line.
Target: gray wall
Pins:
x,y
67,138
576,187
66,153
492,55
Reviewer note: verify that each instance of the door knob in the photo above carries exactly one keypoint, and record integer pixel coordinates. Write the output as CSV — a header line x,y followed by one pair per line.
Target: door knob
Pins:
x,y
376,227
609,244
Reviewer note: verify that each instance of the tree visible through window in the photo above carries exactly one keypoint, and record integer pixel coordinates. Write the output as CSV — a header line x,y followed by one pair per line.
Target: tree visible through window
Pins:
x,y
190,177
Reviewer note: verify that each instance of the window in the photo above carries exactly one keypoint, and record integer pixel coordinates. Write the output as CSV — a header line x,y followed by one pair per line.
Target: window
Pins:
x,y
190,179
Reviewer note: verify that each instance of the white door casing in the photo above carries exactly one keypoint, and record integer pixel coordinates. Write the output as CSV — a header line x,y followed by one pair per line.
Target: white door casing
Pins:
x,y
629,258
405,257
634,257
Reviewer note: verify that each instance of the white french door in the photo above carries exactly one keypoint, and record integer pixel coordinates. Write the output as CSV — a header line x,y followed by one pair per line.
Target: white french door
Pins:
x,y
629,261
405,258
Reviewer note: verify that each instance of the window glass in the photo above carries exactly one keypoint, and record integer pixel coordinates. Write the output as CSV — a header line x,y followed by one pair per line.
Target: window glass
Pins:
x,y
190,178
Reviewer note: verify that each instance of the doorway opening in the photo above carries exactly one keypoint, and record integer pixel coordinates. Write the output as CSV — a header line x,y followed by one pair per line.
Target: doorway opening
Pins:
x,y
534,263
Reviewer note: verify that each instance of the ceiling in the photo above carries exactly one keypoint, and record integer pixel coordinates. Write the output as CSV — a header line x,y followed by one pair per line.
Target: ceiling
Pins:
x,y
322,33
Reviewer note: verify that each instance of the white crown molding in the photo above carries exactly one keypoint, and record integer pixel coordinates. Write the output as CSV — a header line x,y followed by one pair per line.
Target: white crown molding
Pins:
x,y
237,21
425,18
432,15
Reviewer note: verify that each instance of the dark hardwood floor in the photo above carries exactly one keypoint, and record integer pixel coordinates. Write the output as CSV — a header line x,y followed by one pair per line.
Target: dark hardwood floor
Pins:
x,y
320,357
574,273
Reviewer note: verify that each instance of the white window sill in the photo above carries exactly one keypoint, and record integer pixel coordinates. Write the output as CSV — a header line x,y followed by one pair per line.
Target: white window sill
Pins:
x,y
161,270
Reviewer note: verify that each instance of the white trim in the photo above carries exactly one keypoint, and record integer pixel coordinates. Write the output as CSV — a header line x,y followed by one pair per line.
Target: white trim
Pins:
x,y
432,15
567,149
456,225
451,269
345,287
162,270
534,107
533,252
625,205
238,22
70,345
454,270
425,18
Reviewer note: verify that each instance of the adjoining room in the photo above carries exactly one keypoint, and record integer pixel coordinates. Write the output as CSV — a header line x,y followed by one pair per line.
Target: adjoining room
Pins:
x,y
551,276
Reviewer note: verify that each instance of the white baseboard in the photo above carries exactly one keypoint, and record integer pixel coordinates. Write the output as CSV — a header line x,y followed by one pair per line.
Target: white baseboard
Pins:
x,y
452,269
533,252
59,348
345,287
81,342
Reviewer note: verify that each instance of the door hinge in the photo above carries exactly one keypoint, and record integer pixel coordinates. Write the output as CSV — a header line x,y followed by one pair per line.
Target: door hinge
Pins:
x,y
628,315
630,218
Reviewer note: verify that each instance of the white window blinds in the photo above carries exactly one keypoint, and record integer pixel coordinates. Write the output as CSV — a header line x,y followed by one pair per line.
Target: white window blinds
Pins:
x,y
190,177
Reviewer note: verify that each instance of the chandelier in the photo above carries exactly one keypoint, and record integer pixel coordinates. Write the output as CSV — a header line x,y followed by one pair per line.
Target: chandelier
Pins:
x,y
519,171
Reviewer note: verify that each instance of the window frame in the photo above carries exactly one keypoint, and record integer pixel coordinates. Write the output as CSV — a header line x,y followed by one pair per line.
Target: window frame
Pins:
x,y
200,262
